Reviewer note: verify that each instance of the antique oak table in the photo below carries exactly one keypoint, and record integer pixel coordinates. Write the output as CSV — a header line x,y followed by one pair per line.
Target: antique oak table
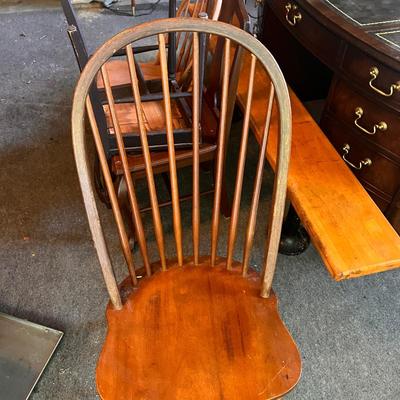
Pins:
x,y
347,52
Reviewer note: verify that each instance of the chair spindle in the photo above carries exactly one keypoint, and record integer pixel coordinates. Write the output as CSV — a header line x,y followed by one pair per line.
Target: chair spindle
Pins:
x,y
217,10
240,168
196,140
171,151
221,153
183,11
137,219
158,229
111,192
186,49
251,226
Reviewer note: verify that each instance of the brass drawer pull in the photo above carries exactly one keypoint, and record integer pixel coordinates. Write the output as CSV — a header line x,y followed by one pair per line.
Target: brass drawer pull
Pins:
x,y
296,17
381,126
363,163
374,72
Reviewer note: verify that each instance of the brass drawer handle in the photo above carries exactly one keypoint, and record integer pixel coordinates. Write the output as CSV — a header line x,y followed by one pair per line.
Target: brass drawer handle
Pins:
x,y
296,14
381,126
374,72
363,163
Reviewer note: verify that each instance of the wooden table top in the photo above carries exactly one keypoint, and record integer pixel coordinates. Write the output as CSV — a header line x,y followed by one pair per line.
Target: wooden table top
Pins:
x,y
368,12
374,25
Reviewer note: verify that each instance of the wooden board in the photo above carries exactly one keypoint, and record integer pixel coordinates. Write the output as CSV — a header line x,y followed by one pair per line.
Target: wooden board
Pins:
x,y
347,228
197,333
118,72
160,162
154,117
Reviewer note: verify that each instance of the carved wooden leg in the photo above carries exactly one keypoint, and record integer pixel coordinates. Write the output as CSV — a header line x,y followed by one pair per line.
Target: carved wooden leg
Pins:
x,y
123,200
294,238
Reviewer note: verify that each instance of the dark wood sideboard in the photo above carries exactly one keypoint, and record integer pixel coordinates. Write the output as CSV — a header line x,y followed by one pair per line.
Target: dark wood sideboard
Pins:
x,y
347,52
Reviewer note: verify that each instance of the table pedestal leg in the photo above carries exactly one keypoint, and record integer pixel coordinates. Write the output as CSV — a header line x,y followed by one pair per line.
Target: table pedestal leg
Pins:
x,y
294,238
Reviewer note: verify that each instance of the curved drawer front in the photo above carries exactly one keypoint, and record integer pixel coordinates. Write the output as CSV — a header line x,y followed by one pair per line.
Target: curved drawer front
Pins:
x,y
317,39
374,78
382,201
377,124
382,173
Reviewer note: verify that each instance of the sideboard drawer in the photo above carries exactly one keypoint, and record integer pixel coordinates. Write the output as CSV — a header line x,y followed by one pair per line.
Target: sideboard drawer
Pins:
x,y
321,42
381,201
383,173
373,77
375,123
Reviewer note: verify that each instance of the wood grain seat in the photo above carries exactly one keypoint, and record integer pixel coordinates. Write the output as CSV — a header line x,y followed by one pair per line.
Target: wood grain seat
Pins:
x,y
351,234
159,160
197,333
118,71
153,113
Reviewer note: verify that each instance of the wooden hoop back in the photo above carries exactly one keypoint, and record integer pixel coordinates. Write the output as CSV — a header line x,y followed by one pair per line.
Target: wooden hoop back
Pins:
x,y
278,92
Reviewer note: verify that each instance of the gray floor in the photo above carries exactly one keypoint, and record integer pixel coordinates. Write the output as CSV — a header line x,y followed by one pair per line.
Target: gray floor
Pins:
x,y
348,333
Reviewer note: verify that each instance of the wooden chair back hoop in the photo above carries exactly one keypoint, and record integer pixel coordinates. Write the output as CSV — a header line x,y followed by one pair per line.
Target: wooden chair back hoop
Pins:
x,y
279,93
96,229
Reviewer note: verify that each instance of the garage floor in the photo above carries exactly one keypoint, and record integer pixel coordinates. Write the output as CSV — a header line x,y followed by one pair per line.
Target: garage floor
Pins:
x,y
348,333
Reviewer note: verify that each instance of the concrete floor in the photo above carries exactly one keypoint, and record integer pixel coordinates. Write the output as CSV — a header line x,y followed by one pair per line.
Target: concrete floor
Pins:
x,y
348,333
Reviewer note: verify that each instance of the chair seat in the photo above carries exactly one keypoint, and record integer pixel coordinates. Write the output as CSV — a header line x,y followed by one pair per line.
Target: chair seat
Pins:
x,y
118,71
197,333
153,113
160,161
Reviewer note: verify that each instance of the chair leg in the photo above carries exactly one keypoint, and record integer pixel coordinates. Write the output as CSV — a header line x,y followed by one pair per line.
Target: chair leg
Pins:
x,y
123,201
294,238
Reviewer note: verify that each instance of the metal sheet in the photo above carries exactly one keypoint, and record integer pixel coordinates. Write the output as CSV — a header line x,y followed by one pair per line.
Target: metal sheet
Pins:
x,y
25,349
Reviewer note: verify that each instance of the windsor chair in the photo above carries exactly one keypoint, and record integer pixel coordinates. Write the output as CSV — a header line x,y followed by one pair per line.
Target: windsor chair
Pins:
x,y
148,73
152,107
229,11
179,62
200,326
118,74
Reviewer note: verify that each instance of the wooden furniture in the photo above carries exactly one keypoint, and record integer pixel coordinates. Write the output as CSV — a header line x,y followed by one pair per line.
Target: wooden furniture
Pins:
x,y
119,74
198,327
349,54
351,234
149,72
149,75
